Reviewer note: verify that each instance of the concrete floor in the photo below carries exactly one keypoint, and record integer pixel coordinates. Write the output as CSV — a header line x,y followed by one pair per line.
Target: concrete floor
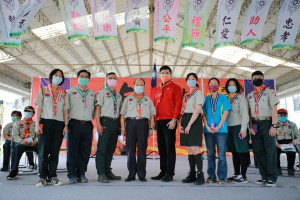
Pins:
x,y
288,188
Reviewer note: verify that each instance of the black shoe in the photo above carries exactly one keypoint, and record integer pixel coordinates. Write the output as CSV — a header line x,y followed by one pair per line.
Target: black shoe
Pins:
x,y
291,172
190,178
143,179
200,179
128,179
4,168
260,182
159,176
167,178
12,176
230,179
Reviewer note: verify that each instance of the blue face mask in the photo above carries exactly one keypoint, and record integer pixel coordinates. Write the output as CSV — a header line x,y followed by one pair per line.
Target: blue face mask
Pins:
x,y
283,119
83,81
27,115
191,83
56,80
232,88
14,119
139,89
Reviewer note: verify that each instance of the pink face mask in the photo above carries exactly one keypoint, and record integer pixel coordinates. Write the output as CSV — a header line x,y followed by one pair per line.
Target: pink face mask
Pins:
x,y
111,82
214,88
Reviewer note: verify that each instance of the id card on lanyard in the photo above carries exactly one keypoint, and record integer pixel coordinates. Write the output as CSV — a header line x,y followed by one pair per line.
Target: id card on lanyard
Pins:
x,y
214,109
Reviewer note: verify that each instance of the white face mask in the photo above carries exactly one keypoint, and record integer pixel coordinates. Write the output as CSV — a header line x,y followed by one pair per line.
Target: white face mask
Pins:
x,y
27,115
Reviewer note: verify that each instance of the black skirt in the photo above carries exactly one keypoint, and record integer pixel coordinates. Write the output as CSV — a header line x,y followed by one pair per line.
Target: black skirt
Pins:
x,y
194,138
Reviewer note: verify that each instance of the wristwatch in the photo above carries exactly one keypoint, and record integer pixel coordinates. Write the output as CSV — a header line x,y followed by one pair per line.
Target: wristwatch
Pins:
x,y
274,125
151,128
174,120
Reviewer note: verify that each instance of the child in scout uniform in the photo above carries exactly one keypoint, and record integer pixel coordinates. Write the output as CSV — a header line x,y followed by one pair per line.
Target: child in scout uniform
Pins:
x,y
51,126
80,102
191,129
138,111
263,112
237,140
7,134
24,139
108,106
286,133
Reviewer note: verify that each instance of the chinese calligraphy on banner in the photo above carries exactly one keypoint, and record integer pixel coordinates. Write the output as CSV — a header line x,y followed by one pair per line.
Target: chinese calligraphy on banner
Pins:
x,y
195,21
255,21
8,12
136,16
104,19
75,18
288,24
165,20
227,18
26,12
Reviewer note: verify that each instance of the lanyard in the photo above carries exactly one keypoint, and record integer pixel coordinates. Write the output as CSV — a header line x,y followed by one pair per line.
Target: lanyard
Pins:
x,y
234,98
112,96
80,92
214,104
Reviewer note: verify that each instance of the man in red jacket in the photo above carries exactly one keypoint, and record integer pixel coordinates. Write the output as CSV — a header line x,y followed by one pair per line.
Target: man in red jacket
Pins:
x,y
167,101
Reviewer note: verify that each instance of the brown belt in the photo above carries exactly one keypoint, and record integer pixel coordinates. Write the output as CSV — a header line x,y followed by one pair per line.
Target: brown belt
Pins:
x,y
261,118
81,121
109,118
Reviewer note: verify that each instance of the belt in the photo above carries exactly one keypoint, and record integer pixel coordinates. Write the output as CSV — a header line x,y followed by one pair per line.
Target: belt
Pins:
x,y
136,118
109,118
261,118
81,121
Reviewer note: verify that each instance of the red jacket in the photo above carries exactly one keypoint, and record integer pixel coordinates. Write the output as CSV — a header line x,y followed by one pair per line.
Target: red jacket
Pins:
x,y
170,102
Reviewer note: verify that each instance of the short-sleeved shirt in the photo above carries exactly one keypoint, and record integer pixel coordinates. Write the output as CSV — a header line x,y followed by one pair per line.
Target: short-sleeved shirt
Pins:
x,y
193,101
130,107
287,131
106,102
222,105
45,101
18,130
8,129
76,105
238,115
267,100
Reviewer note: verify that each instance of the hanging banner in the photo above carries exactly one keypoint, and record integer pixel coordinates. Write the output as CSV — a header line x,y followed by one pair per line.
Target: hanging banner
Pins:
x,y
255,21
136,16
26,12
227,18
165,20
288,25
75,18
8,12
104,19
195,21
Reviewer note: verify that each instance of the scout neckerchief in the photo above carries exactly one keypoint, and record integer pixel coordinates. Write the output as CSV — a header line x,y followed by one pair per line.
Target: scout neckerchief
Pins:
x,y
213,105
113,95
140,103
186,97
83,94
55,98
26,130
233,98
258,94
160,89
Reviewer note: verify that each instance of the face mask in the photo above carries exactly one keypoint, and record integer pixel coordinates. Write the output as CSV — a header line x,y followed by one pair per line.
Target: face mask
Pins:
x,y
232,88
56,80
283,119
258,82
139,89
214,88
191,83
27,115
14,119
111,82
164,78
83,81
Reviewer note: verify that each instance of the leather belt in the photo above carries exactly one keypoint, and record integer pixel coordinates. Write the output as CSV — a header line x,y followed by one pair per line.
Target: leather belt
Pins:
x,y
109,118
136,118
261,118
81,121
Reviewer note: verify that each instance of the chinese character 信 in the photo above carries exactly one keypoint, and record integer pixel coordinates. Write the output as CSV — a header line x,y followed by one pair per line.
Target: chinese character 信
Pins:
x,y
167,18
284,37
254,20
195,33
251,31
196,21
166,28
107,28
77,26
289,24
224,20
224,33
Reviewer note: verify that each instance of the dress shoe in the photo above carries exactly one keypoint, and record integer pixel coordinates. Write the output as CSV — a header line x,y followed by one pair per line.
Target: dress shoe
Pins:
x,y
143,179
159,176
128,179
111,176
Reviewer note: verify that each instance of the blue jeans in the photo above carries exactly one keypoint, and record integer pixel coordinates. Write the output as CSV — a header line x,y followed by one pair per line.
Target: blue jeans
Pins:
x,y
219,139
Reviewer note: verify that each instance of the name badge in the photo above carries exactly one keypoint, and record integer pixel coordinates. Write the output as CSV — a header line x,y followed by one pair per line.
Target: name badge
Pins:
x,y
212,125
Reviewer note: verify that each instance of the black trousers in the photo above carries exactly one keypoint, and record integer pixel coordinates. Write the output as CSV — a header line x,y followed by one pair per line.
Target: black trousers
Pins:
x,y
136,133
166,139
291,156
240,163
18,150
49,146
6,154
79,148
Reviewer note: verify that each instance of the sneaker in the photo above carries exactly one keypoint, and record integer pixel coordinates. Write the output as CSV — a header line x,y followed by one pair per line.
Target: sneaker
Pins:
x,y
200,179
279,171
73,180
41,183
240,179
190,178
261,182
54,181
32,167
82,179
4,168
111,176
291,172
222,181
230,179
271,183
11,176
211,180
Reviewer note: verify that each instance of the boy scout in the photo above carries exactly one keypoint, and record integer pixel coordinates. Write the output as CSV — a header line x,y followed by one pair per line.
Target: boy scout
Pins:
x,y
138,110
80,101
24,138
108,106
263,112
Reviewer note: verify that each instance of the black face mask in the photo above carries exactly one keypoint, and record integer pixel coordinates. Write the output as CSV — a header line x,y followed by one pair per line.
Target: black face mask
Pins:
x,y
258,82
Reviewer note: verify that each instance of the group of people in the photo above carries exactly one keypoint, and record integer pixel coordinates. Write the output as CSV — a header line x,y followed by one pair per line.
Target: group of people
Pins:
x,y
224,119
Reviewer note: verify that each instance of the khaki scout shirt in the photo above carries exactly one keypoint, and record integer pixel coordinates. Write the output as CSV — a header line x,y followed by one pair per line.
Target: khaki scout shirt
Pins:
x,y
287,131
8,129
47,104
130,107
268,99
238,115
19,128
106,102
75,105
196,99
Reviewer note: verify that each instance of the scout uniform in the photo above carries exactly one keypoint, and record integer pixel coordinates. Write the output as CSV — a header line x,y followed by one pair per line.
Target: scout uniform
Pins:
x,y
52,123
81,106
137,113
264,146
110,105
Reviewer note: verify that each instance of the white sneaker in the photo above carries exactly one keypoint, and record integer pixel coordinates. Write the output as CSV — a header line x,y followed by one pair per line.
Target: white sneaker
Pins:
x,y
55,181
271,183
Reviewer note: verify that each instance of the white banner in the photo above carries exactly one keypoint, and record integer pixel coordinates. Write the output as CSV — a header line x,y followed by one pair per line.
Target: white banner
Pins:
x,y
136,16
